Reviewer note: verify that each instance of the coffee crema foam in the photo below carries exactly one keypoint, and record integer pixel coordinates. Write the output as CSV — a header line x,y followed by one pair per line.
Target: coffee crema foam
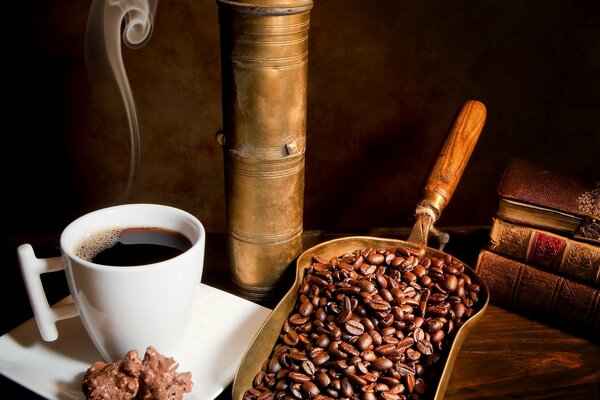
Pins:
x,y
97,243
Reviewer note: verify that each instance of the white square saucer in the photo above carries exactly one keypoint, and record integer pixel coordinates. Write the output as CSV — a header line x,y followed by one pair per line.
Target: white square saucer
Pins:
x,y
223,325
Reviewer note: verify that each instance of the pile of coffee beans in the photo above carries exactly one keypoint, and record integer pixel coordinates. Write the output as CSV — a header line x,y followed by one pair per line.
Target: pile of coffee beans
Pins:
x,y
368,325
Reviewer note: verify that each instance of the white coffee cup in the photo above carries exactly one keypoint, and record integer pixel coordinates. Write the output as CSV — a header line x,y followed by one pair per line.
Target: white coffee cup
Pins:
x,y
122,308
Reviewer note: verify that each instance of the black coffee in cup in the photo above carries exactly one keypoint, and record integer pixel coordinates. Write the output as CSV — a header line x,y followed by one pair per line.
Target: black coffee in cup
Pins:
x,y
133,246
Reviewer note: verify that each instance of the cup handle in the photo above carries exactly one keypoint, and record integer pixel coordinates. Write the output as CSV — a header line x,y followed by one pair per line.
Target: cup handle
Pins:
x,y
46,316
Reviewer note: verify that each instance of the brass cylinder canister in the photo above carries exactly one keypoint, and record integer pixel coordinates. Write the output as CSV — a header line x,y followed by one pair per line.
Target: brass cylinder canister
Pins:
x,y
264,55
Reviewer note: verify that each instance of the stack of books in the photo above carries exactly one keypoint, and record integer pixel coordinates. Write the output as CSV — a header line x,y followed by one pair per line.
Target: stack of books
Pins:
x,y
543,254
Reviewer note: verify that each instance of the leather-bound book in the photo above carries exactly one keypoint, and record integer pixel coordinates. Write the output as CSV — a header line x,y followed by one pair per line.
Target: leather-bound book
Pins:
x,y
552,252
565,202
540,294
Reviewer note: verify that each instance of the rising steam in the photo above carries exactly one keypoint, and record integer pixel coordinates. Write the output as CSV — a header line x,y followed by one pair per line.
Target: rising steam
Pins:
x,y
103,51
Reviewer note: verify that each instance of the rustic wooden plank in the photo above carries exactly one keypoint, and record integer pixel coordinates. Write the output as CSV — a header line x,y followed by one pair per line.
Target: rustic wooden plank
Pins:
x,y
510,356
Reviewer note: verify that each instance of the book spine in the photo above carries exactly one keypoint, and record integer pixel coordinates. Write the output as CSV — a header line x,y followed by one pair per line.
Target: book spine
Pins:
x,y
522,287
555,253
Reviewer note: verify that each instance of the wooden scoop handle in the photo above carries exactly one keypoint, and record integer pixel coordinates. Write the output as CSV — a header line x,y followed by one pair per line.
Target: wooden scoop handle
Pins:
x,y
453,157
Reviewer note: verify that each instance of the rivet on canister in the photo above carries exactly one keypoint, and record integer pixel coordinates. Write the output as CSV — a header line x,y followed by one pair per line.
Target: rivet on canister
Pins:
x,y
291,148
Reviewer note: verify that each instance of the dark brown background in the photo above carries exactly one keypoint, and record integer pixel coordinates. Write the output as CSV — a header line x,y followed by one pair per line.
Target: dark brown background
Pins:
x,y
385,80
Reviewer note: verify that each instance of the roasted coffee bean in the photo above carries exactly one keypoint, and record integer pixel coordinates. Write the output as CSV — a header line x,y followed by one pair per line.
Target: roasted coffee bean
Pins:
x,y
408,263
274,365
376,337
368,395
379,305
386,295
385,349
405,343
344,266
450,283
361,368
439,309
349,349
298,377
410,382
382,364
474,296
320,314
451,269
368,325
405,369
334,350
381,387
390,396
318,282
425,280
418,334
367,269
375,258
305,308
412,354
387,330
357,380
297,319
437,337
364,341
419,271
360,310
420,386
323,340
354,328
409,292
459,310
371,377
425,347
282,385
295,390
290,338
285,361
346,389
349,290
366,286
433,325
389,381
438,297
340,365
323,380
466,278
336,333
460,292
308,367
368,355
344,316
418,322
259,378
321,358
409,277
309,389
389,258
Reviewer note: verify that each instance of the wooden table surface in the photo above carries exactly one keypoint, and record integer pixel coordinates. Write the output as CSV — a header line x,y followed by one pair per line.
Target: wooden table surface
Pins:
x,y
506,356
